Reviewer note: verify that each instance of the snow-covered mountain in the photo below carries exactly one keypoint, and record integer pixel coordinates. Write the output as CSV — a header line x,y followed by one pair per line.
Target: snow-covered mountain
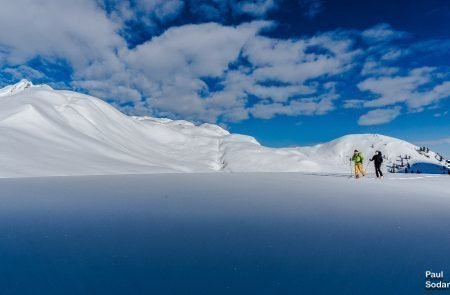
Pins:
x,y
56,132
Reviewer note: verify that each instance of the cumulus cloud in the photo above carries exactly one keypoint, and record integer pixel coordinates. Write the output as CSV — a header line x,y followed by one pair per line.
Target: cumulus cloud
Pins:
x,y
24,72
392,90
379,116
149,14
121,93
173,73
353,103
218,9
209,10
292,61
192,50
78,31
306,107
375,68
382,33
311,7
394,54
438,115
255,7
433,95
172,67
410,89
161,9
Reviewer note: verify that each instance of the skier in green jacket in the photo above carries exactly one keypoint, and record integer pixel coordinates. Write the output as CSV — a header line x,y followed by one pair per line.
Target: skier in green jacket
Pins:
x,y
358,158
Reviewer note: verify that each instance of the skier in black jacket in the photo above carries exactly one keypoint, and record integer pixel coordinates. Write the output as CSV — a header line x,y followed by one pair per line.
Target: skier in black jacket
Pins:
x,y
378,159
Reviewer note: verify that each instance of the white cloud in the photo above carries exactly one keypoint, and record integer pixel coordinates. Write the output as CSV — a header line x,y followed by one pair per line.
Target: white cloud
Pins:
x,y
375,68
382,33
171,67
255,7
311,7
379,116
426,98
78,31
208,10
443,114
354,103
23,72
120,11
151,11
305,106
169,71
147,14
394,54
392,90
193,50
218,10
279,93
409,89
296,61
100,88
161,8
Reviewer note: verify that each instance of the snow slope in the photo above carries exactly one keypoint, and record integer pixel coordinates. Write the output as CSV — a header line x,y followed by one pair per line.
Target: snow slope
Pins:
x,y
45,132
222,233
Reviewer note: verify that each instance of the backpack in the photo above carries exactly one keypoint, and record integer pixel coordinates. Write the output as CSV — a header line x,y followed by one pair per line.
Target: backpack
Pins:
x,y
361,156
358,157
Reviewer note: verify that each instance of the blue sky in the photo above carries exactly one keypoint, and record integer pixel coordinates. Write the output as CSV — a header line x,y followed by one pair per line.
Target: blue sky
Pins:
x,y
287,72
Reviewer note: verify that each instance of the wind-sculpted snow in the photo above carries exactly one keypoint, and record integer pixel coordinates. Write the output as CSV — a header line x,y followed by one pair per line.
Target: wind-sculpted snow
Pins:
x,y
53,132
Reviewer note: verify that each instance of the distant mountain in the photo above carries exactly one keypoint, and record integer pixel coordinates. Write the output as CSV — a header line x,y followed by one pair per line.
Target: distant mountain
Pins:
x,y
47,132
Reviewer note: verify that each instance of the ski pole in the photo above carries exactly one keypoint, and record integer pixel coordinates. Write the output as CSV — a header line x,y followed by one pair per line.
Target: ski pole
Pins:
x,y
367,166
351,170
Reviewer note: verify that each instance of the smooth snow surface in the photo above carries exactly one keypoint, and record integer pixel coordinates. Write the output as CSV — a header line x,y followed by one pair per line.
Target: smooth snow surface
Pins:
x,y
46,132
223,233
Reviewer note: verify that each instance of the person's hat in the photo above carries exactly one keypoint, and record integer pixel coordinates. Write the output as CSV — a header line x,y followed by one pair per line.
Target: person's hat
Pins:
x,y
356,151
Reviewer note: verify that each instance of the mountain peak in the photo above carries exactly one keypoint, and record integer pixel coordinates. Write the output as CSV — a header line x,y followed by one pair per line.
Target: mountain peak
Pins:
x,y
24,83
15,88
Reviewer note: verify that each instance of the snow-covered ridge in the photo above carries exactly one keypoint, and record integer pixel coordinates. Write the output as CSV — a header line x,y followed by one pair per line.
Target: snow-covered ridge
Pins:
x,y
16,88
55,132
20,86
